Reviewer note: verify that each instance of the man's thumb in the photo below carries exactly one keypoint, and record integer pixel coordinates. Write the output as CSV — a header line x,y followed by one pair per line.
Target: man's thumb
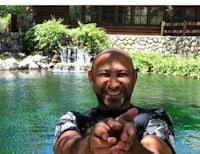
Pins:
x,y
128,116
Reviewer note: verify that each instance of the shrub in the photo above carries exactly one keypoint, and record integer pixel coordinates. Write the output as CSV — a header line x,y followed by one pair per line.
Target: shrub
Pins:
x,y
174,65
94,38
44,37
4,22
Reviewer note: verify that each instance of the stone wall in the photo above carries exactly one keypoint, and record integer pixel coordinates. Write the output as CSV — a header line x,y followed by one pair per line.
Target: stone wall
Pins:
x,y
186,45
9,43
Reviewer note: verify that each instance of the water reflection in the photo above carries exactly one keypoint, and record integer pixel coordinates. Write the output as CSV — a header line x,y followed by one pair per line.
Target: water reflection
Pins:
x,y
32,102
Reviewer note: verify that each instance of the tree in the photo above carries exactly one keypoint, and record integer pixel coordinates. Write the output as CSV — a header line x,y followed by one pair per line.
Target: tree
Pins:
x,y
12,9
19,11
4,22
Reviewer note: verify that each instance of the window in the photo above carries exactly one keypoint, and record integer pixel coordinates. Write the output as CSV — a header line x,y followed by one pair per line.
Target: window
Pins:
x,y
140,15
174,15
91,14
75,14
108,15
156,15
124,15
189,14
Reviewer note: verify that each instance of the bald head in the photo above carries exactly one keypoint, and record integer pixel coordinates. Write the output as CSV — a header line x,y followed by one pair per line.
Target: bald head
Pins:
x,y
113,79
113,53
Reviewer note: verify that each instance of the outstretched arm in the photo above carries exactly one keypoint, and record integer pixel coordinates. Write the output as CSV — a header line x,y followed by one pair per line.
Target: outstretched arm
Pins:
x,y
129,144
101,140
112,136
155,145
71,142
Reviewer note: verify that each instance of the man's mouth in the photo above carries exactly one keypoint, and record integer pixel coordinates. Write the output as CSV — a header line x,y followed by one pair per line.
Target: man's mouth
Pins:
x,y
113,93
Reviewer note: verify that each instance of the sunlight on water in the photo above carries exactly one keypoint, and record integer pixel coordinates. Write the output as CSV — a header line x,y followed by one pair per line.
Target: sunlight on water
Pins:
x,y
32,102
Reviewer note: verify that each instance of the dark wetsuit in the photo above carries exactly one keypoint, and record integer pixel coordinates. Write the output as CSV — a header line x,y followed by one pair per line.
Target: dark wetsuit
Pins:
x,y
149,122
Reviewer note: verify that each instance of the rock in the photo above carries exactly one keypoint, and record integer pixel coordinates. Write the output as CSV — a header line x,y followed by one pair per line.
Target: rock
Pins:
x,y
33,66
24,64
9,64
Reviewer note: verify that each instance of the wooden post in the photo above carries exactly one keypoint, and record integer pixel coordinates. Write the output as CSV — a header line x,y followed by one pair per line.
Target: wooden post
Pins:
x,y
162,28
184,28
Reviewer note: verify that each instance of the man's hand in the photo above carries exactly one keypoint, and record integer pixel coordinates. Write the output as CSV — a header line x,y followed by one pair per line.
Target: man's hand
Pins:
x,y
115,136
127,139
105,136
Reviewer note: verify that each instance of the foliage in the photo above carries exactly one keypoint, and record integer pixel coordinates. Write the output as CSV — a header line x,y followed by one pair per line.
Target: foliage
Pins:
x,y
94,38
7,10
12,9
49,35
4,22
174,65
44,37
4,56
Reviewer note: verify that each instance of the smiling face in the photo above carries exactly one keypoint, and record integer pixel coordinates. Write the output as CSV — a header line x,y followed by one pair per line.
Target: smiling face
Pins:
x,y
113,79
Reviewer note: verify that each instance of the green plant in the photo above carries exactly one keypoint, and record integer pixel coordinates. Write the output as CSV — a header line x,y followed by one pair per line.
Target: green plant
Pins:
x,y
174,65
44,37
94,38
21,11
4,56
4,22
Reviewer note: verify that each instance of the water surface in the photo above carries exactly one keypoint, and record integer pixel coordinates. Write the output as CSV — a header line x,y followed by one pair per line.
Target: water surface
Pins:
x,y
32,102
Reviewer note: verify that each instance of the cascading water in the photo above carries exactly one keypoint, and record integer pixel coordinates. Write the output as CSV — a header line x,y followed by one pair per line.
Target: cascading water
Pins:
x,y
73,59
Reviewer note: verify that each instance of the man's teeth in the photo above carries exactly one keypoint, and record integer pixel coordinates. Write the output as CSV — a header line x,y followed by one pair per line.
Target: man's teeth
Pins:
x,y
113,93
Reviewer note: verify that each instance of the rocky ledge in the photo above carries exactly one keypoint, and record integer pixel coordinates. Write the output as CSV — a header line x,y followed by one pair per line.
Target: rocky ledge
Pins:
x,y
30,62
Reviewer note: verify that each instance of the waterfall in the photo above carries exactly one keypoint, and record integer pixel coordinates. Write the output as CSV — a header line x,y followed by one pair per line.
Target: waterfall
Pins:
x,y
73,59
63,54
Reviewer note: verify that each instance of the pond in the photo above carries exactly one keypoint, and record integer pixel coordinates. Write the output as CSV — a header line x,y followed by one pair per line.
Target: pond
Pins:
x,y
31,103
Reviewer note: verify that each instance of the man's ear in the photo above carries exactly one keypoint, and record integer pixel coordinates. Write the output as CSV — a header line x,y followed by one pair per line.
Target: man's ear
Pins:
x,y
90,77
135,75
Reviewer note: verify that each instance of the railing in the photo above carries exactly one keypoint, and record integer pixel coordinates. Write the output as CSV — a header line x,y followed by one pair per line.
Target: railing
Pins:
x,y
180,28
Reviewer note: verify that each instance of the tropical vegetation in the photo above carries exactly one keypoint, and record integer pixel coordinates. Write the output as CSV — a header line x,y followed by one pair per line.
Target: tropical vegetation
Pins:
x,y
174,65
91,36
46,37
6,11
43,38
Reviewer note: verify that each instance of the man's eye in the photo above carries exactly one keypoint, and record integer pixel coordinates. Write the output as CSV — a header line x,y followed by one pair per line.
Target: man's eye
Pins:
x,y
122,74
104,74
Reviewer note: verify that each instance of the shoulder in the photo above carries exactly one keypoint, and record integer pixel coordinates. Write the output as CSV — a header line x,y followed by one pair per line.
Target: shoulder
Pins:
x,y
147,114
162,115
66,122
74,115
159,123
72,120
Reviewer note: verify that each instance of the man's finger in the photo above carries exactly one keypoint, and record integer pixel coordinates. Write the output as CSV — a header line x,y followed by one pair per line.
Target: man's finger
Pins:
x,y
101,130
128,116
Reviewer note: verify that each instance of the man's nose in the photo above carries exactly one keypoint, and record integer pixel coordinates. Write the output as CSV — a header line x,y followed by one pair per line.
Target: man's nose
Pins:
x,y
113,82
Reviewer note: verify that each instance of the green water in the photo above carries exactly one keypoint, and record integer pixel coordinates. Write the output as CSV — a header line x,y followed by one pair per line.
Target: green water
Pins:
x,y
32,102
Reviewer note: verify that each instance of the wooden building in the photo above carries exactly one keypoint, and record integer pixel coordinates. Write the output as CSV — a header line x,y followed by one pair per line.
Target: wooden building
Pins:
x,y
133,20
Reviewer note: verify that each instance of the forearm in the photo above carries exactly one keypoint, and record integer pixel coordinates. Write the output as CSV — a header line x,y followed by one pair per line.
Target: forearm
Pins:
x,y
72,144
139,149
155,145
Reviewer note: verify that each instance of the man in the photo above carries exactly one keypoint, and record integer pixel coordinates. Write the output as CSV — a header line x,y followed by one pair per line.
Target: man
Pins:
x,y
115,126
